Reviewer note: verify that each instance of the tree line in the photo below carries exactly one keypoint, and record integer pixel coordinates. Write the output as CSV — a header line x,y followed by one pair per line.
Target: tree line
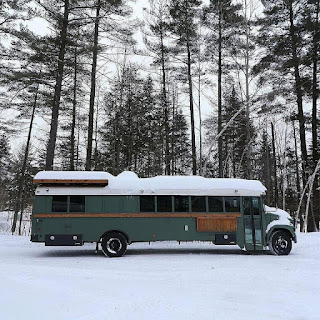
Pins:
x,y
217,88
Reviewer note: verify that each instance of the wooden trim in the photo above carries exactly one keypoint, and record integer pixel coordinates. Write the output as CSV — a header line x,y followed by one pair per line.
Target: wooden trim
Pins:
x,y
71,181
212,216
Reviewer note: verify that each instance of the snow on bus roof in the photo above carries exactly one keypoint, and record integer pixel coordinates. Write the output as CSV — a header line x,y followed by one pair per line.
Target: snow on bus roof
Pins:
x,y
128,183
81,175
72,177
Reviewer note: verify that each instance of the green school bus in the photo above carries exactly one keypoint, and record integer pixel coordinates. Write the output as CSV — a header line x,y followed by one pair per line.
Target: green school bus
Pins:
x,y
72,208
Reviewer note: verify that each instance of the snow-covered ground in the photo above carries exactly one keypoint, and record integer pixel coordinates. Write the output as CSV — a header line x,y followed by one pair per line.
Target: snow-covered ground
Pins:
x,y
158,281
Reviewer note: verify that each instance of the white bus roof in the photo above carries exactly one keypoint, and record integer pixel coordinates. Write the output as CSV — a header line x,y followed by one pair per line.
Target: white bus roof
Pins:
x,y
128,183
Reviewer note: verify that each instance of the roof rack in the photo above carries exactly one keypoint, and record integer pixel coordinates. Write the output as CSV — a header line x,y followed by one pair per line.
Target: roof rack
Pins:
x,y
101,182
88,178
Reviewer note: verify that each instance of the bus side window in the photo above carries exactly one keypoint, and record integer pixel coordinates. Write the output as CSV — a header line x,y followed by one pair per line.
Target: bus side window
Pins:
x,y
164,204
181,203
232,204
198,204
215,204
256,206
77,204
147,204
59,204
246,206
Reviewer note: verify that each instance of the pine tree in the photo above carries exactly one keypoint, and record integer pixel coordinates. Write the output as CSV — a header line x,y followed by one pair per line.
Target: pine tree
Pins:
x,y
310,22
222,19
106,13
280,34
156,41
234,137
183,26
21,187
133,135
63,22
5,177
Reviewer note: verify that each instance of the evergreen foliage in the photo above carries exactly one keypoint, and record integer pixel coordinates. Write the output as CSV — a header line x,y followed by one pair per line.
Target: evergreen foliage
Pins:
x,y
86,94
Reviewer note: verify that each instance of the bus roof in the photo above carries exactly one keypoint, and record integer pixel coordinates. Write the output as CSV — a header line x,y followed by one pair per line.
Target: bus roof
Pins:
x,y
128,183
72,177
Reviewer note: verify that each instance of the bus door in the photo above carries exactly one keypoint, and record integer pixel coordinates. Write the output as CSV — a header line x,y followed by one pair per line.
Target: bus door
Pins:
x,y
252,223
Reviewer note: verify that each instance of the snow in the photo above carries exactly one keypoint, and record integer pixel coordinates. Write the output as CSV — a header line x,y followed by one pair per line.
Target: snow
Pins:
x,y
160,281
72,175
283,217
128,183
127,175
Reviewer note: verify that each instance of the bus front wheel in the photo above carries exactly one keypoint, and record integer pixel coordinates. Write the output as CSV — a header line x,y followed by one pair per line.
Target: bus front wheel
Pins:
x,y
114,244
280,243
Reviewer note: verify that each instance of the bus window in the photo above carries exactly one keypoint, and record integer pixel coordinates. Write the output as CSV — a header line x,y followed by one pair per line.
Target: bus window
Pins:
x,y
256,206
164,204
246,206
77,204
198,204
59,204
215,204
147,204
232,204
181,203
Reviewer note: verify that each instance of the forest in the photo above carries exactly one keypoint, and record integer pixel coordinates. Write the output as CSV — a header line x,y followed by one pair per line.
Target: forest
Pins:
x,y
216,88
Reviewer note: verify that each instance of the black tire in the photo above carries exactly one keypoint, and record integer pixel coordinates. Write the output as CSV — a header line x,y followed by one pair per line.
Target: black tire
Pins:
x,y
114,244
280,243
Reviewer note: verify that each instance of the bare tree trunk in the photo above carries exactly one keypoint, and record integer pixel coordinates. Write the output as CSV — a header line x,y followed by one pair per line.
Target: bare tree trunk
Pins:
x,y
296,161
130,133
173,158
193,137
21,216
200,121
268,176
298,185
165,105
248,136
96,137
78,139
74,106
220,150
309,218
24,166
298,90
274,167
284,181
315,94
121,76
57,90
93,86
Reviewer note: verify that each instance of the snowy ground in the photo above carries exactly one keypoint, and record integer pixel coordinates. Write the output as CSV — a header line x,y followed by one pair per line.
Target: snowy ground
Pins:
x,y
160,281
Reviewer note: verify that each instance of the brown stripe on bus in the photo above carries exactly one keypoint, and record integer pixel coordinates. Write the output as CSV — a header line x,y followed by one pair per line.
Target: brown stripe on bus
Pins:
x,y
212,216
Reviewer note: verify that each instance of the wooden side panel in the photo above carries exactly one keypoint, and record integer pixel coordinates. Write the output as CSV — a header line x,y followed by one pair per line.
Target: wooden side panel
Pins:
x,y
217,224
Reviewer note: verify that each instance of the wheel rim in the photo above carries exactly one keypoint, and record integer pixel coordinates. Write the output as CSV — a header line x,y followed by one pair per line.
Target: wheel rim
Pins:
x,y
281,244
114,245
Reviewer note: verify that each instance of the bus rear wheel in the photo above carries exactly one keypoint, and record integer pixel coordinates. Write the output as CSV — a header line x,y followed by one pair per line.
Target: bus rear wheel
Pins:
x,y
114,244
280,243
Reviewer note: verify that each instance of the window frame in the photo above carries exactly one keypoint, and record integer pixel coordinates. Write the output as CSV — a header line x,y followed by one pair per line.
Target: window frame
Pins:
x,y
171,202
223,204
181,196
84,204
239,203
205,204
68,204
154,204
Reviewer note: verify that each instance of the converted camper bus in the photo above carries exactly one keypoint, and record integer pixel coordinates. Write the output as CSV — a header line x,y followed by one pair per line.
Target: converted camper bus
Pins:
x,y
72,208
